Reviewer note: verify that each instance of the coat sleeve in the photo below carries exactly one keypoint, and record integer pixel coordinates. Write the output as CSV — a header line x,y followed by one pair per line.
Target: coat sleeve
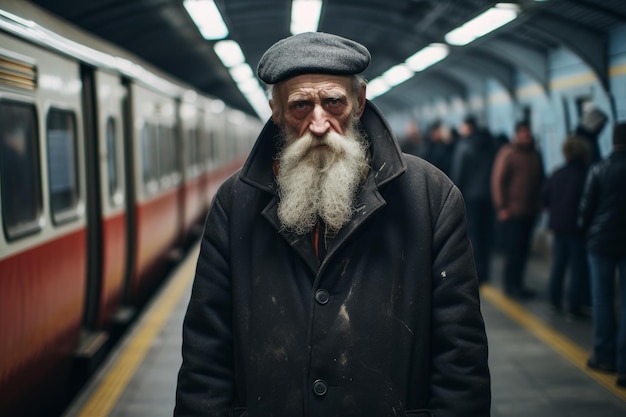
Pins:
x,y
460,379
498,177
206,378
588,200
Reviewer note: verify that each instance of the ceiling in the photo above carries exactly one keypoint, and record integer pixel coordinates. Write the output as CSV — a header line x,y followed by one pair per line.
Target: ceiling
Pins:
x,y
161,32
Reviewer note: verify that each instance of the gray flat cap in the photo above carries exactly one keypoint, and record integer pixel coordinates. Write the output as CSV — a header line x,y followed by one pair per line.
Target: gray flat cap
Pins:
x,y
312,53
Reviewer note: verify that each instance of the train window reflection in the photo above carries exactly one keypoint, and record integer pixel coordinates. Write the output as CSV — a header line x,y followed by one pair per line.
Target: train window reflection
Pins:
x,y
166,151
62,165
149,158
190,145
211,148
112,163
19,169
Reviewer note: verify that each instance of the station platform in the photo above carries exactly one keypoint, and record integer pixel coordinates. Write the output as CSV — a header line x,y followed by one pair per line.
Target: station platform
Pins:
x,y
537,357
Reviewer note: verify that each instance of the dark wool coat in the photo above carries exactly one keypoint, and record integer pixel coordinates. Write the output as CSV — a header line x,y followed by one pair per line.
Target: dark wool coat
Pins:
x,y
602,211
561,195
389,324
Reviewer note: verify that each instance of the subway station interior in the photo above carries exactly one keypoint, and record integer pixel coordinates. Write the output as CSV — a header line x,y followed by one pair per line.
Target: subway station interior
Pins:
x,y
120,120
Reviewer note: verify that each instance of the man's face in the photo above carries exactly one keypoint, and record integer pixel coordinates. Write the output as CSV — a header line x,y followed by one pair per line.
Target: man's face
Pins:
x,y
465,130
324,158
523,135
316,104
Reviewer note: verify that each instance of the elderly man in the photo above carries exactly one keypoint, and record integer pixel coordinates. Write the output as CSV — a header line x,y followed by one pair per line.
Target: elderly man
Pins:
x,y
335,277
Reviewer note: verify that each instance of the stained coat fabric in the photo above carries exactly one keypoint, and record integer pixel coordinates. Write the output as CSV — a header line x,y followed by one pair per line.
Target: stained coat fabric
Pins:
x,y
388,324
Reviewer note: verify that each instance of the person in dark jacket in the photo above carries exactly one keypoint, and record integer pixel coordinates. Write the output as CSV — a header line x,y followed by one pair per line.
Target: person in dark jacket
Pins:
x,y
602,216
591,124
439,146
471,171
335,276
561,196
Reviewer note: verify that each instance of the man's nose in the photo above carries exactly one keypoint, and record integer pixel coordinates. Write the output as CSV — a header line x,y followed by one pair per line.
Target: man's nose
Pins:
x,y
319,124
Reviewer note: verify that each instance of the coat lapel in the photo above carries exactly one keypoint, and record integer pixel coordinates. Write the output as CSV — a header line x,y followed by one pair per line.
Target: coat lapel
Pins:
x,y
302,244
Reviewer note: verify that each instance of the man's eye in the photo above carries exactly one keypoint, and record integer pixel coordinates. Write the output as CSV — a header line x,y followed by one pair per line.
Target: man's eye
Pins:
x,y
300,105
334,101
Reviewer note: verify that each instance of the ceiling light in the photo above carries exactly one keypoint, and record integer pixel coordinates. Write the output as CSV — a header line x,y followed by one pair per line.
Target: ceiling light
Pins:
x,y
305,15
376,87
492,19
241,73
427,56
397,75
229,53
207,17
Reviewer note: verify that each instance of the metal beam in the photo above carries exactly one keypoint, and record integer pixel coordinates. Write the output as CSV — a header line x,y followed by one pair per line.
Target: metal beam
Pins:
x,y
491,65
591,46
530,60
436,84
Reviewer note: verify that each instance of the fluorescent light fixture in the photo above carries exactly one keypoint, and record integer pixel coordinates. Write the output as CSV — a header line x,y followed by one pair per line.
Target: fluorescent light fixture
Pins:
x,y
397,75
492,19
305,15
207,17
229,53
241,73
376,87
248,86
427,56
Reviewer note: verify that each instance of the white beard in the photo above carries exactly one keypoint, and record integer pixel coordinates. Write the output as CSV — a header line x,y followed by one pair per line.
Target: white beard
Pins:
x,y
320,181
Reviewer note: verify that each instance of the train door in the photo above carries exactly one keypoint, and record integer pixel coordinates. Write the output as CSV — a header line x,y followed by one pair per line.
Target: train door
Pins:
x,y
106,235
110,94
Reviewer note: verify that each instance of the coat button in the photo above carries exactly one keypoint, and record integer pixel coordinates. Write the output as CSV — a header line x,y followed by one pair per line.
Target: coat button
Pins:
x,y
320,387
321,296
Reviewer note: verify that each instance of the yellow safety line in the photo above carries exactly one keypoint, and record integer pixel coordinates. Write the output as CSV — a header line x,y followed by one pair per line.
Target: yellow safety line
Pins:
x,y
561,344
108,391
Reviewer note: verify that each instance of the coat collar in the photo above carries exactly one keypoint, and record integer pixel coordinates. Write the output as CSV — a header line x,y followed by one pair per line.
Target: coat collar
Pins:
x,y
386,164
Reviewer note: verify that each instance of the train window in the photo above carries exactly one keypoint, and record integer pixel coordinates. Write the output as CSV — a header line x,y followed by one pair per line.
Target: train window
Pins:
x,y
212,147
190,143
203,150
149,157
19,169
112,163
166,150
62,165
200,150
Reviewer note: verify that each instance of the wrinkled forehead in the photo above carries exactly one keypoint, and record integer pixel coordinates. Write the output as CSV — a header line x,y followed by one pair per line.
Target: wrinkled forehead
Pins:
x,y
315,84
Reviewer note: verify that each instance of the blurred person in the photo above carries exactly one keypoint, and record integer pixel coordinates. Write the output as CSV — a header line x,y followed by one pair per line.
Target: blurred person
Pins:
x,y
335,276
516,182
472,162
602,217
592,122
412,142
439,147
561,196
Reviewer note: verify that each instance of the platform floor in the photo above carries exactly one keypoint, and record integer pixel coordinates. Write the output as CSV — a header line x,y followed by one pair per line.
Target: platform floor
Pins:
x,y
537,357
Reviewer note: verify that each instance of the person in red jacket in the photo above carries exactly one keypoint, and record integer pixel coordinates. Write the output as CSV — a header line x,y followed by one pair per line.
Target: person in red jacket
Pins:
x,y
516,182
335,276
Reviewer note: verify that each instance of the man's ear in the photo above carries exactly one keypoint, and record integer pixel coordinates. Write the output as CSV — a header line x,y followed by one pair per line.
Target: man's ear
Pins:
x,y
361,100
274,108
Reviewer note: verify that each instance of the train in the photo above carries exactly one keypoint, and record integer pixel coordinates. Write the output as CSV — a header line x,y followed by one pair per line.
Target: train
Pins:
x,y
107,169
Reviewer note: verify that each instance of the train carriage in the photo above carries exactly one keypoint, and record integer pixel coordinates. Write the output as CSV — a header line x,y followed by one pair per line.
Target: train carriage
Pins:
x,y
107,169
43,253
